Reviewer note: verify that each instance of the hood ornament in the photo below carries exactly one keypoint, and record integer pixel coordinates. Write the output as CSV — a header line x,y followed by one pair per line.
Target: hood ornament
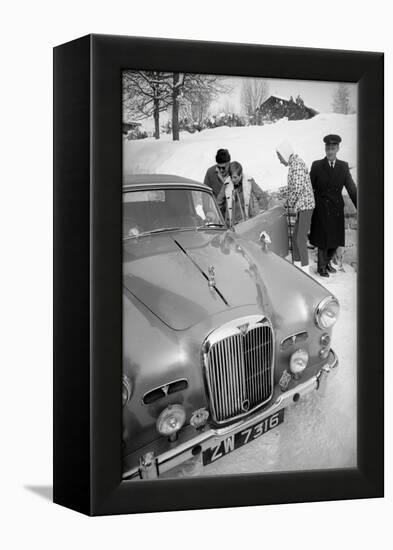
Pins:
x,y
211,274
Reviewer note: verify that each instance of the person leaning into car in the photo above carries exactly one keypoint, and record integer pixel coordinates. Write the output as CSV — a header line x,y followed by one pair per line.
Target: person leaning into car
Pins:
x,y
328,177
216,174
240,197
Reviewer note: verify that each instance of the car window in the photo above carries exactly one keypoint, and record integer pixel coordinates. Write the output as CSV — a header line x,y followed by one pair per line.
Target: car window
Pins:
x,y
145,211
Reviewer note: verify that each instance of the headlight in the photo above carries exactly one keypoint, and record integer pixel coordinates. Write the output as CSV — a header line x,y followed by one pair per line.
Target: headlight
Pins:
x,y
298,361
126,390
171,420
327,312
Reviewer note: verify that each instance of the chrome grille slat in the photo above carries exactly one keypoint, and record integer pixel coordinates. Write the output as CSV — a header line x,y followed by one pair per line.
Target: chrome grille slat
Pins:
x,y
239,371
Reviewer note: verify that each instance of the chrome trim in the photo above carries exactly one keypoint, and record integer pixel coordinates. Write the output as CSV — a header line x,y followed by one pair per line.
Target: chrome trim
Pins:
x,y
226,390
126,382
148,466
325,340
293,337
265,240
205,439
321,305
212,276
161,387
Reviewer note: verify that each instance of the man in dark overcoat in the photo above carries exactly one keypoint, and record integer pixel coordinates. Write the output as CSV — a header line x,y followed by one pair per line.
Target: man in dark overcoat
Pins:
x,y
328,177
217,174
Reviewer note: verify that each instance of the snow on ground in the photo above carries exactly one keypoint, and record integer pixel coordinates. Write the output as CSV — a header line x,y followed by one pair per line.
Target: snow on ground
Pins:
x,y
318,432
253,146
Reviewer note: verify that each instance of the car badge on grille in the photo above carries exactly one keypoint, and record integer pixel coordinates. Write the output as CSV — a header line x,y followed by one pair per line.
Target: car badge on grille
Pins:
x,y
212,276
245,405
165,389
243,329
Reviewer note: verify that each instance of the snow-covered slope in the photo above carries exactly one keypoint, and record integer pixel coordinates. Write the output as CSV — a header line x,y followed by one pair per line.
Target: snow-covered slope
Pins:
x,y
252,146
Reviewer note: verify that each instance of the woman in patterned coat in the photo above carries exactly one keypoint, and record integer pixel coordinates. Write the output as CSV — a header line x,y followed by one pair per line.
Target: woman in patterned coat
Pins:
x,y
300,199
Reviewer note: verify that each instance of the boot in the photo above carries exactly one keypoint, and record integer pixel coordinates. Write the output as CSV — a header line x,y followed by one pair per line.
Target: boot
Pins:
x,y
330,268
323,272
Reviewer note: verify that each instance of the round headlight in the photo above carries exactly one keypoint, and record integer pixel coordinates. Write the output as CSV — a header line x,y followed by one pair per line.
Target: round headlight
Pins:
x,y
171,420
126,390
298,361
327,312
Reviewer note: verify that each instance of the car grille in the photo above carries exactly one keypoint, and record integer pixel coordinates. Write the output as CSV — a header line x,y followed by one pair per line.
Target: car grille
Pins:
x,y
239,370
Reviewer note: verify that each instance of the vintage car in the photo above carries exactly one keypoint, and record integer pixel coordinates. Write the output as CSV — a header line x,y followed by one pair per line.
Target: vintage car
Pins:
x,y
220,332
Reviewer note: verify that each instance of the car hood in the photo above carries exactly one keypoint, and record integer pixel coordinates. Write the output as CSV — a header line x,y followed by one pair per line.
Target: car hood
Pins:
x,y
169,274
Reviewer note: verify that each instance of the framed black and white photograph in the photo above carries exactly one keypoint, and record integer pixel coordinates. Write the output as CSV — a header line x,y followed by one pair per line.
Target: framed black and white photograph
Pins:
x,y
221,334
218,270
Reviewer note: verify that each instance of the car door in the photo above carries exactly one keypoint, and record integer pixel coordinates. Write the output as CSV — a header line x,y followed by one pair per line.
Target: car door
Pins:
x,y
274,222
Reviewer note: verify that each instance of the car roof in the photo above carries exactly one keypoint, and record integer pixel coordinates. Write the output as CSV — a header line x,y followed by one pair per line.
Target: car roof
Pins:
x,y
130,180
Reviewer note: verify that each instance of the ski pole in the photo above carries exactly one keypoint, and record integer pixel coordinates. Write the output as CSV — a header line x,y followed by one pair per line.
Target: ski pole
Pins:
x,y
290,230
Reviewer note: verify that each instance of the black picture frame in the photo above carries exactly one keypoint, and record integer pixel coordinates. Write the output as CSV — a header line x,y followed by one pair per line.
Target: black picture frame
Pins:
x,y
88,274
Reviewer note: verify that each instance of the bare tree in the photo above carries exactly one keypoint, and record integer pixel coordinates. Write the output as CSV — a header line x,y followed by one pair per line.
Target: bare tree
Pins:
x,y
341,100
199,92
146,94
193,93
228,106
177,85
253,93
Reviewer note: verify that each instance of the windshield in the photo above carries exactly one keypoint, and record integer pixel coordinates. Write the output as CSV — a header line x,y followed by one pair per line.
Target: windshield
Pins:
x,y
157,210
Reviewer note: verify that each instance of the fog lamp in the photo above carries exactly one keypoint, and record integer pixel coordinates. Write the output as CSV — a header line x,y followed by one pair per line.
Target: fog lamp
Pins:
x,y
326,313
170,421
298,361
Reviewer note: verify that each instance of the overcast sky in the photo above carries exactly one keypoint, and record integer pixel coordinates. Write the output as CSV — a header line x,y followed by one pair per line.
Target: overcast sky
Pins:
x,y
315,94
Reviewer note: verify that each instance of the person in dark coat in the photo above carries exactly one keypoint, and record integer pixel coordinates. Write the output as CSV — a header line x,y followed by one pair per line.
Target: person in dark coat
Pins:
x,y
328,177
217,174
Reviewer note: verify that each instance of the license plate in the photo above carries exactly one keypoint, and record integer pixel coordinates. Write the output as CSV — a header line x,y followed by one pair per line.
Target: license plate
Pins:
x,y
234,441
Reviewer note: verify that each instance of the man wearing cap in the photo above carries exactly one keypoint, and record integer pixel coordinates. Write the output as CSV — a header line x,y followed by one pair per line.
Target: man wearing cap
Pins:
x,y
217,174
328,177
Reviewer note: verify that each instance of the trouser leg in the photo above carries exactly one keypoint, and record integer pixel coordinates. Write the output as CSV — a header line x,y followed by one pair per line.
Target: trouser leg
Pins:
x,y
329,254
304,222
295,248
322,259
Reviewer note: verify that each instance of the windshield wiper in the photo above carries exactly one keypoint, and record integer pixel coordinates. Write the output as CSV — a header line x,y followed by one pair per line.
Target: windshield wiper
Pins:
x,y
160,230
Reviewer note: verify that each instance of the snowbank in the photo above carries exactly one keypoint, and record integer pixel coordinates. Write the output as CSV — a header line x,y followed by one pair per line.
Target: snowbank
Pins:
x,y
252,146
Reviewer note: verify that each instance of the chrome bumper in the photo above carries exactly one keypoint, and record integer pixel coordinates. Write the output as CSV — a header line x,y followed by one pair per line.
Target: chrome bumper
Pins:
x,y
152,466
